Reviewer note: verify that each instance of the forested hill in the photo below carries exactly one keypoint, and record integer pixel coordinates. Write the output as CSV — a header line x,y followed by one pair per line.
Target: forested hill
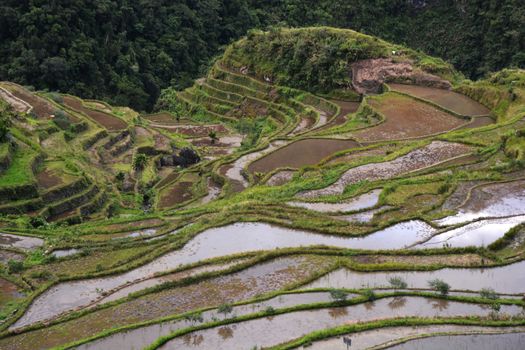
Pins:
x,y
126,51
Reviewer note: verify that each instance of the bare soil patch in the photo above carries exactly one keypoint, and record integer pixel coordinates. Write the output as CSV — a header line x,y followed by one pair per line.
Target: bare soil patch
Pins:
x,y
450,260
369,75
108,121
47,179
448,99
407,118
193,130
41,108
17,104
180,192
163,117
300,153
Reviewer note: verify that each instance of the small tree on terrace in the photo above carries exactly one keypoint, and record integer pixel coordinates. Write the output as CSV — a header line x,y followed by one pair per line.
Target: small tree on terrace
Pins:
x,y
439,286
139,161
397,282
213,136
338,295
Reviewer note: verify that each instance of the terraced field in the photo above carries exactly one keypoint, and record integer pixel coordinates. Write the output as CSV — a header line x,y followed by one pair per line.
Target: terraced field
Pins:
x,y
248,213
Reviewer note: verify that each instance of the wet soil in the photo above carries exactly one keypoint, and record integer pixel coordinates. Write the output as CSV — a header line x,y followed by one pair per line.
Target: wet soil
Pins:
x,y
41,108
300,153
280,178
407,118
363,201
435,152
48,179
108,121
22,242
178,193
448,99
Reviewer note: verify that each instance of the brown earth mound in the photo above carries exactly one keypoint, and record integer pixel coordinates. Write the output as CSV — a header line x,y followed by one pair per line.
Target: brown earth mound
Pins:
x,y
106,120
369,75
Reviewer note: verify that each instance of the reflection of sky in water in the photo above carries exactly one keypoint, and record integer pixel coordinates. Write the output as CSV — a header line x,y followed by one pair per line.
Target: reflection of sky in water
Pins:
x,y
480,233
509,204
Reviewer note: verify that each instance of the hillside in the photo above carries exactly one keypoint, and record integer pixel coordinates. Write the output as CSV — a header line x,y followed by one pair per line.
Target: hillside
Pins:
x,y
315,183
145,46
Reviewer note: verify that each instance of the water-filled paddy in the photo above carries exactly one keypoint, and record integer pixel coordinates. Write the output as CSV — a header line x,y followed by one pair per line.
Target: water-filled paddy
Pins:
x,y
301,153
143,336
363,201
432,154
378,337
510,341
509,279
478,233
293,325
216,242
21,242
448,99
496,200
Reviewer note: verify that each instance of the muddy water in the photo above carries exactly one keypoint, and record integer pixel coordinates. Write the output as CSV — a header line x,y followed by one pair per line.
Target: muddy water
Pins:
x,y
142,233
214,190
270,331
434,153
300,153
376,337
8,292
479,233
363,217
235,171
363,201
451,100
280,178
510,341
497,200
216,242
509,279
142,337
59,253
21,242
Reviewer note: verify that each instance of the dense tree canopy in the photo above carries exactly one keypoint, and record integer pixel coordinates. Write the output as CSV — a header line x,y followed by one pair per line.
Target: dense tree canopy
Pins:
x,y
128,50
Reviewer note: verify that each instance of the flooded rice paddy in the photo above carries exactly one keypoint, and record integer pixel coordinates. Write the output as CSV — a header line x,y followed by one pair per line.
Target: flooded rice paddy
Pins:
x,y
216,242
21,242
495,200
361,202
301,153
432,154
388,335
509,341
448,99
478,233
141,337
285,327
509,279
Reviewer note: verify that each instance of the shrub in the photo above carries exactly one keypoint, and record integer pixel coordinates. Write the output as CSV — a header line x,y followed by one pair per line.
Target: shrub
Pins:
x,y
369,294
61,120
338,295
225,309
14,266
489,293
397,282
139,161
439,286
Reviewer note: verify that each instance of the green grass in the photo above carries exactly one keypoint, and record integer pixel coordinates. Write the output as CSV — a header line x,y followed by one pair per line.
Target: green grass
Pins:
x,y
19,173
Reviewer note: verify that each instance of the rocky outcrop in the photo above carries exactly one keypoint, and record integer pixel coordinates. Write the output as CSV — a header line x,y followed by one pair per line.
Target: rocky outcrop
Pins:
x,y
185,158
369,75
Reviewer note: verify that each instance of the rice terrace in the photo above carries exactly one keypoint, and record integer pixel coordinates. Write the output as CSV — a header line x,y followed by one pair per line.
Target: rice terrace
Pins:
x,y
315,188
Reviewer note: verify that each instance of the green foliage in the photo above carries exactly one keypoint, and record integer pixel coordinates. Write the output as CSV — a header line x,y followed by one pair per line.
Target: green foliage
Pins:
x,y
14,266
139,161
338,295
6,115
225,309
489,293
369,294
397,282
439,286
